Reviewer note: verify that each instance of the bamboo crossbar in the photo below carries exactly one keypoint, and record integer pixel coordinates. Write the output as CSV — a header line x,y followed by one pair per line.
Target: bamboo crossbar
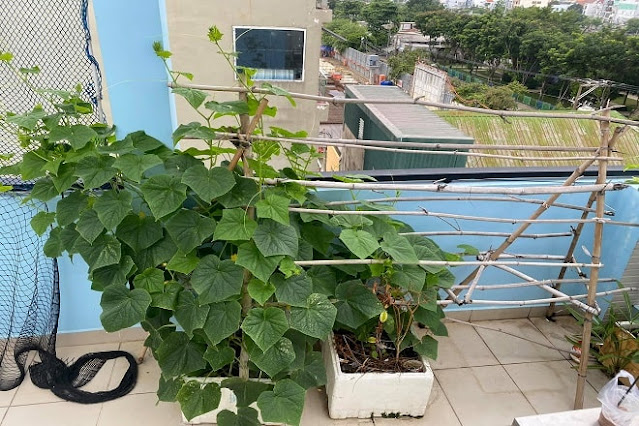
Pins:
x,y
525,256
473,286
329,262
337,101
524,284
487,234
564,298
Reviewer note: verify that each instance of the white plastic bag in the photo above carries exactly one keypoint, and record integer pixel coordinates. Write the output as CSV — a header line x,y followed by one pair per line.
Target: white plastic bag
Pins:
x,y
627,414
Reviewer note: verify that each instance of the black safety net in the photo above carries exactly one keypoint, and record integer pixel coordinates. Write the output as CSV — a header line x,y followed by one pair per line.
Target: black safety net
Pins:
x,y
54,36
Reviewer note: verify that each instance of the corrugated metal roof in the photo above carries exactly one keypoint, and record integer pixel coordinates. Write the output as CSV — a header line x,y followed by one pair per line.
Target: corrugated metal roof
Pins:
x,y
405,121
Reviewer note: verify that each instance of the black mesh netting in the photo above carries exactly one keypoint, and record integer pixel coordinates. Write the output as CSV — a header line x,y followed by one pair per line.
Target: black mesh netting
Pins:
x,y
53,35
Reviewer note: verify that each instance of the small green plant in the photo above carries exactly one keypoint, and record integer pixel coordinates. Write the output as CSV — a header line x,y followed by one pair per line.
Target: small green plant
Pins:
x,y
204,255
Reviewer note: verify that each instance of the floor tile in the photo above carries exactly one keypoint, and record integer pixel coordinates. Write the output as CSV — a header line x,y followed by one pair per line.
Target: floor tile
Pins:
x,y
6,397
439,412
3,411
556,332
316,412
597,378
140,410
55,414
483,396
462,348
499,314
550,386
28,393
509,349
148,372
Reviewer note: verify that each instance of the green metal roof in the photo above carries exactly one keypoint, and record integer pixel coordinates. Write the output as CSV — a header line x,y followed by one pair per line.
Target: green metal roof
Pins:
x,y
405,121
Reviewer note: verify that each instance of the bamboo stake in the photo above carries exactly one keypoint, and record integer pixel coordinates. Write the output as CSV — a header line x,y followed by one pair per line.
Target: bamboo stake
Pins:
x,y
525,256
524,284
473,285
487,234
594,273
440,263
564,298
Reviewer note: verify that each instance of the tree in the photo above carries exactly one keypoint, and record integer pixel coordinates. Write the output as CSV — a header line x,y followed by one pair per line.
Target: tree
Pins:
x,y
404,62
352,31
632,26
412,8
379,13
349,9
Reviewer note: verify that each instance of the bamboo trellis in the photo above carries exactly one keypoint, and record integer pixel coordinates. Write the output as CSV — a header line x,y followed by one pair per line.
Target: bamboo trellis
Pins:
x,y
496,258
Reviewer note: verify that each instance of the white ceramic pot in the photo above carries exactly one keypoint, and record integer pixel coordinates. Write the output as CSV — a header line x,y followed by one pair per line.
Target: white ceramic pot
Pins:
x,y
374,394
228,401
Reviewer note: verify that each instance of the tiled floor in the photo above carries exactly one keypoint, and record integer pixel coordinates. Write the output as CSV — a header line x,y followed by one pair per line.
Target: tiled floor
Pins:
x,y
483,377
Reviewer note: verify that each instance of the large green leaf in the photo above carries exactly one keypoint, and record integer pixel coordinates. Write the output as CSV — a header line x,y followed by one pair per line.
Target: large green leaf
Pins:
x,y
235,225
54,246
194,97
244,193
197,398
104,251
284,404
399,248
112,274
42,221
316,319
356,304
193,130
313,373
227,108
260,291
427,347
178,355
324,280
164,194
89,225
184,263
219,357
169,388
44,190
151,280
32,165
409,277
432,320
275,239
113,206
158,253
246,416
65,177
276,359
133,165
144,142
246,391
222,321
69,208
168,298
252,259
274,207
317,236
189,229
360,243
77,135
265,326
95,171
216,280
294,291
138,232
209,183
189,314
122,308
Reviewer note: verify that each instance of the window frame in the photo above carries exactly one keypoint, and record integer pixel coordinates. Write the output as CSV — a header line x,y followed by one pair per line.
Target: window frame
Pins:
x,y
258,27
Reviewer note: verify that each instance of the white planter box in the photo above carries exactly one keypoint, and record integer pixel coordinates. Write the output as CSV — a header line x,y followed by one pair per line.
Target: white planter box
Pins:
x,y
228,401
374,394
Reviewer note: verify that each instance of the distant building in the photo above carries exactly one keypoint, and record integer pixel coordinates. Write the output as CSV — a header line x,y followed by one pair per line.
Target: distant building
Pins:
x,y
531,3
409,37
611,11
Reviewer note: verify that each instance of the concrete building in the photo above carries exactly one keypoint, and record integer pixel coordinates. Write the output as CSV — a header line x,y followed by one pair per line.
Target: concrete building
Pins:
x,y
281,38
531,3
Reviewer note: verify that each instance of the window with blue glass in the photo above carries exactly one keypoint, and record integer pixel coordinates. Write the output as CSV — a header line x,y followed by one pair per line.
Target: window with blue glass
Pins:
x,y
276,54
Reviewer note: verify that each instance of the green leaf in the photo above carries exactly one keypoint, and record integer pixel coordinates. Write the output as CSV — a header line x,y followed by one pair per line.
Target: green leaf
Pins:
x,y
276,359
409,277
350,221
69,208
244,193
274,207
158,253
227,108
317,236
443,279
133,166
260,291
164,194
316,319
246,391
427,347
468,249
197,398
360,243
324,280
235,225
189,314
112,274
95,171
432,320
289,268
193,130
89,225
144,142
216,280
245,416
215,34
189,229
113,206
104,251
54,246
252,259
399,249
284,404
32,70
28,120
122,308
168,298
44,190
42,221
194,97
209,183
151,280
219,357
275,239
77,135
138,232
6,56
65,177
222,321
293,291
32,165
184,263
278,92
68,237
169,388
178,355
313,373
265,326
356,304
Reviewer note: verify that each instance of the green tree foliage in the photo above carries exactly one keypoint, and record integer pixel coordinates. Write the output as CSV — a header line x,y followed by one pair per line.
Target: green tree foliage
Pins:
x,y
379,13
412,8
350,30
632,26
348,9
483,96
404,62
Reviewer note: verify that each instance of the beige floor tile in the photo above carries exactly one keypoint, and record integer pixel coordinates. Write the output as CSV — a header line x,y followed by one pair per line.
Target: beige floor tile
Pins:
x,y
85,338
3,411
499,314
140,410
6,397
28,393
509,349
148,372
550,386
483,396
597,378
55,414
439,412
316,412
557,331
462,348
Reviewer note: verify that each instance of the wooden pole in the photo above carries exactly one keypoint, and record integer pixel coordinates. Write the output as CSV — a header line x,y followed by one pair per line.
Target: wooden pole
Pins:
x,y
594,272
